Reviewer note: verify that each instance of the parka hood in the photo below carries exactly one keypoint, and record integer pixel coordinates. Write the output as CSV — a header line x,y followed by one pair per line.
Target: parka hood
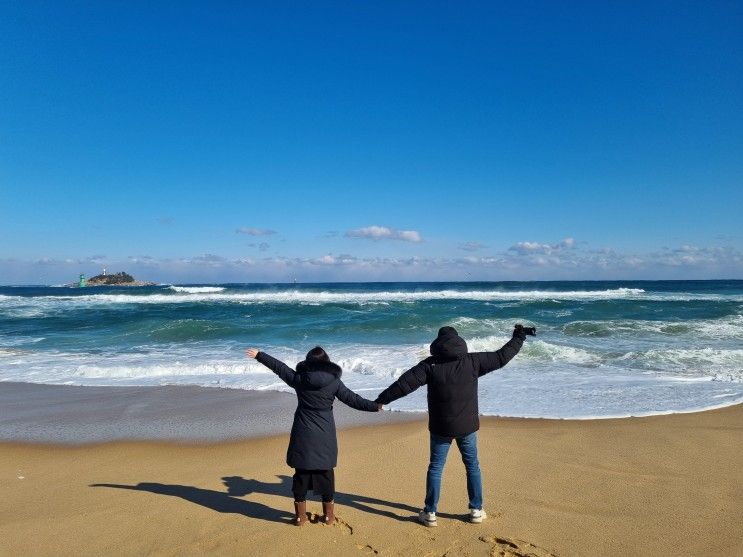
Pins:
x,y
318,373
448,344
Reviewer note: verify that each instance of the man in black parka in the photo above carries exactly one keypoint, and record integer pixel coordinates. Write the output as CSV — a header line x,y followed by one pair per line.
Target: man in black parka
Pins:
x,y
451,374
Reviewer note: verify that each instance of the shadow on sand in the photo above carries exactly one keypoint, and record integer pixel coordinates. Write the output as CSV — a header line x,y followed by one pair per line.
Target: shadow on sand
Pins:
x,y
238,487
215,500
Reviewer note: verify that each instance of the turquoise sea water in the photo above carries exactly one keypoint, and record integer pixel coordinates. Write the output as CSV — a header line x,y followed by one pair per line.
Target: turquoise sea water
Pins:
x,y
603,348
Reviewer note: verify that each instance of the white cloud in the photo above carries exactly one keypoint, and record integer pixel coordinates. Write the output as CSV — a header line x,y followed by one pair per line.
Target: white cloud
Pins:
x,y
254,231
262,246
208,259
472,246
409,235
529,247
536,247
693,256
324,260
385,233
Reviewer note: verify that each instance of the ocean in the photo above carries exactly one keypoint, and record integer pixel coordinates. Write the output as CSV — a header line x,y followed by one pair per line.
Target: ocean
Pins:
x,y
603,349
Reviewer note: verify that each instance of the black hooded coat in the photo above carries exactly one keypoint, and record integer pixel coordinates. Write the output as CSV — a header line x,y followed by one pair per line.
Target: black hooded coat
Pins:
x,y
451,374
313,445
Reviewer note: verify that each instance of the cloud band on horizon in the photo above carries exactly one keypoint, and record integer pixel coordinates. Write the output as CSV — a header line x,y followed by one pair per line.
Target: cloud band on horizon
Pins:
x,y
573,263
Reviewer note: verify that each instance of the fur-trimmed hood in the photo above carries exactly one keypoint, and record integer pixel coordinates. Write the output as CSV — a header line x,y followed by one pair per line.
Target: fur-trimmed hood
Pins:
x,y
318,373
309,366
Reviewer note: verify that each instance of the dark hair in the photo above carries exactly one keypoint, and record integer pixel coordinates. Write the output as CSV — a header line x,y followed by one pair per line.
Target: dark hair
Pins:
x,y
317,354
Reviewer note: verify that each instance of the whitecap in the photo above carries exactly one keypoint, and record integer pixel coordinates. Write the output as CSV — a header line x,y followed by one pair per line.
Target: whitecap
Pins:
x,y
197,289
324,297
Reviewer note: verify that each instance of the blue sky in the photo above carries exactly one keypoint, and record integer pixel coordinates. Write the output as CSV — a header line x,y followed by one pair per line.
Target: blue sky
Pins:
x,y
350,141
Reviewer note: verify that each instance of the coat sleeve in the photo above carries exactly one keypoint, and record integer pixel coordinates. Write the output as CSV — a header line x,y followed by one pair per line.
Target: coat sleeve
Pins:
x,y
485,362
415,377
285,373
348,397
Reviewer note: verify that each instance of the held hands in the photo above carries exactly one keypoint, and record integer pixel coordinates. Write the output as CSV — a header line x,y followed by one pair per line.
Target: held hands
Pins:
x,y
380,407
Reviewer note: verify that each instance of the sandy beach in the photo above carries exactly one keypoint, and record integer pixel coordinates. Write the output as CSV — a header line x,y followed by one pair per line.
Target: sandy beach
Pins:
x,y
665,485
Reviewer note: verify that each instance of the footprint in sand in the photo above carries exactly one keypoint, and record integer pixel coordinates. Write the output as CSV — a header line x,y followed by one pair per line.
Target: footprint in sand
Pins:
x,y
509,547
345,527
340,523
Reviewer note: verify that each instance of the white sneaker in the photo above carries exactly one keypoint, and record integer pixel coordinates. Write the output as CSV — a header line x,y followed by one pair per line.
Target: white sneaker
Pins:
x,y
428,519
477,516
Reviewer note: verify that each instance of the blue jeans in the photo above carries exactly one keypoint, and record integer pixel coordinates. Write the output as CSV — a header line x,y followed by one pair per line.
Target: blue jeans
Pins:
x,y
439,449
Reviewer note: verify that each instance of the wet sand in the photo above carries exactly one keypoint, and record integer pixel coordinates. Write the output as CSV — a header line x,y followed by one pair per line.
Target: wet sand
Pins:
x,y
70,414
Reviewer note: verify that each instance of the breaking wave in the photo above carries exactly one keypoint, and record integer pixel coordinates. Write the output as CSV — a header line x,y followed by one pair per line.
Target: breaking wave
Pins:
x,y
197,289
601,350
205,294
729,327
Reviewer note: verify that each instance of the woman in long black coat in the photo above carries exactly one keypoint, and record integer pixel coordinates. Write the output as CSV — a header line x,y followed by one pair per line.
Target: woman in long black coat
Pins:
x,y
313,447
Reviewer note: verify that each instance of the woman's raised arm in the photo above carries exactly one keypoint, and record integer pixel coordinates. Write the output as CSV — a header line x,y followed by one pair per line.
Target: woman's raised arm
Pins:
x,y
285,373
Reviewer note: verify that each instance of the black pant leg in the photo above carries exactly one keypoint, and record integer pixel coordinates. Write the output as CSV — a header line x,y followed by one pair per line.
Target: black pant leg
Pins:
x,y
300,484
328,492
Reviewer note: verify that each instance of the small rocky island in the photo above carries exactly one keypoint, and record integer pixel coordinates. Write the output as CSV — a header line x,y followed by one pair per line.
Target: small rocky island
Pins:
x,y
116,279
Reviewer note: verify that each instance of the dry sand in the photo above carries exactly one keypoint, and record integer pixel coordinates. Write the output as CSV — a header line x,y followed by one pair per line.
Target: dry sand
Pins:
x,y
666,485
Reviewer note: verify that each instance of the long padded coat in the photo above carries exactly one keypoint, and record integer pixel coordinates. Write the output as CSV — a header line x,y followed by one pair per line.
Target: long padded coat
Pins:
x,y
451,374
313,445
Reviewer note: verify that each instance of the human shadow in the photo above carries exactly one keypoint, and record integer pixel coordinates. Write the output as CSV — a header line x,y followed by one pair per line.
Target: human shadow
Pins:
x,y
238,486
215,500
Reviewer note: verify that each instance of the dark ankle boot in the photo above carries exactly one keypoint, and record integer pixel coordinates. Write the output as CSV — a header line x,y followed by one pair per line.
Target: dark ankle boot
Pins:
x,y
328,513
300,513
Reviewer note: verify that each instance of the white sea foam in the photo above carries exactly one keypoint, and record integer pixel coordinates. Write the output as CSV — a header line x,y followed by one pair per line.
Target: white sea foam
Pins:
x,y
6,341
219,294
545,380
738,399
18,306
309,297
372,365
172,370
691,358
377,363
475,324
537,350
11,352
587,368
197,289
685,364
729,327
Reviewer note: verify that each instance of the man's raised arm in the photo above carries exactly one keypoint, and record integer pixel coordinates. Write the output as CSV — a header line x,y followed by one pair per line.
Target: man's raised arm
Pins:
x,y
489,361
